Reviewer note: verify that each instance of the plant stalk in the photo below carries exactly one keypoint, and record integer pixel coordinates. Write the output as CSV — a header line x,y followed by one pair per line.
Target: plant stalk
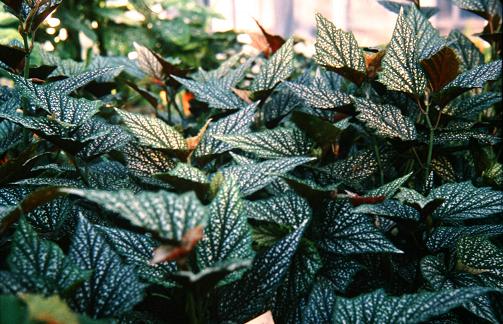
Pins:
x,y
27,50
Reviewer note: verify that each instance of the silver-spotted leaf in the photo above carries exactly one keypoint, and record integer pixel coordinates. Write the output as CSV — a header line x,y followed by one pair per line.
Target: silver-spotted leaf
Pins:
x,y
377,307
113,287
39,265
318,94
428,39
338,51
227,236
276,69
465,201
250,296
153,132
446,237
168,214
136,250
214,93
272,143
400,65
476,77
470,108
253,177
320,304
468,54
287,209
389,208
75,82
237,123
347,232
387,120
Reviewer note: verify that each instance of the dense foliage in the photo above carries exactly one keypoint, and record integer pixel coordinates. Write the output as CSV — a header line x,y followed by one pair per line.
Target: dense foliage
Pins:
x,y
362,186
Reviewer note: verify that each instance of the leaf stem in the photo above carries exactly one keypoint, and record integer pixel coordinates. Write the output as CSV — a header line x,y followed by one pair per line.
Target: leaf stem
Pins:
x,y
27,54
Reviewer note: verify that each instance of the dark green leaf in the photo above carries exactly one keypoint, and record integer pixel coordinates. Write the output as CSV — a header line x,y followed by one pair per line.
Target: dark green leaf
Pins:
x,y
153,132
347,232
113,287
226,236
469,55
40,266
318,94
391,209
320,304
288,209
237,123
377,307
446,237
464,201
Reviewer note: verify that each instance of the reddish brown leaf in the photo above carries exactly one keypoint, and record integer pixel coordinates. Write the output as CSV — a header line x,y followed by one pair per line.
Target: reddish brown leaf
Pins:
x,y
193,141
274,41
373,63
357,200
441,68
243,94
186,98
165,253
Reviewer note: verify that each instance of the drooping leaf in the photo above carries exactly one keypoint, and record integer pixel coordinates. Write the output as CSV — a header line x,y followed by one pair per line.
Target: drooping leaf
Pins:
x,y
270,144
387,120
256,176
167,214
237,123
39,265
288,209
250,296
338,51
113,287
227,236
153,132
377,307
400,65
276,69
464,201
347,232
